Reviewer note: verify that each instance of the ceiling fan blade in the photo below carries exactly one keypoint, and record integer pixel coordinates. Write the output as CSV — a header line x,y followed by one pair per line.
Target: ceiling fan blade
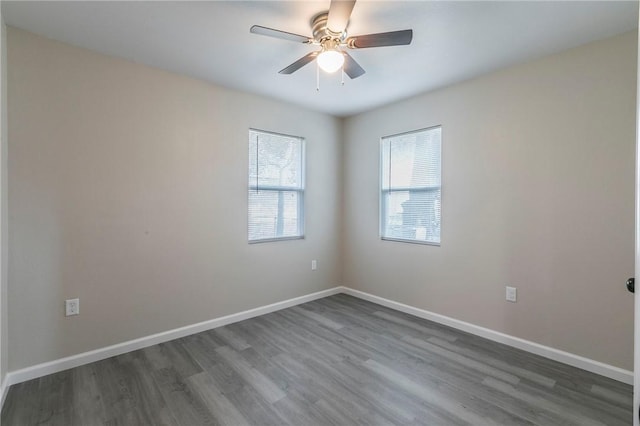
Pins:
x,y
299,63
393,38
351,67
339,14
270,32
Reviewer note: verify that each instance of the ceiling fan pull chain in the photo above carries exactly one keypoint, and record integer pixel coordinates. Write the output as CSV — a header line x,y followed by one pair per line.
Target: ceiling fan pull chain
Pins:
x,y
317,77
342,75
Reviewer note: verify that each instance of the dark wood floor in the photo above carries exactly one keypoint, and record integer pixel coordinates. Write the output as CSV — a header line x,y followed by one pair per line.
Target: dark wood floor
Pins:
x,y
338,360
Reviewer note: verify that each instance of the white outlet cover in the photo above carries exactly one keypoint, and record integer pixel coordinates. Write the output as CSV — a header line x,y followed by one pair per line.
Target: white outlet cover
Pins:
x,y
72,307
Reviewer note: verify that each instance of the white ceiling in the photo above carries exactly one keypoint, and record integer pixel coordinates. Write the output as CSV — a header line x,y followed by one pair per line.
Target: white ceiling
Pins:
x,y
453,41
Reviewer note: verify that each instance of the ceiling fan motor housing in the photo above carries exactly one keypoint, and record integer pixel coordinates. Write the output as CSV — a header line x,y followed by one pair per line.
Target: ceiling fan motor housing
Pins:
x,y
322,33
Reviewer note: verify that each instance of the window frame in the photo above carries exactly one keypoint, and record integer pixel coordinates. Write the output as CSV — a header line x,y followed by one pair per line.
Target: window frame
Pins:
x,y
382,192
275,188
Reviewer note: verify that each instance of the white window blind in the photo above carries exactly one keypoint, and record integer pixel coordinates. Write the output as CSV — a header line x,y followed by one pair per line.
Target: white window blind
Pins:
x,y
410,199
276,186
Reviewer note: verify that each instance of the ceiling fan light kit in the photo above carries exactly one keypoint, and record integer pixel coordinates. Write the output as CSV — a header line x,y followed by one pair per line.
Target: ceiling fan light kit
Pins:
x,y
330,59
329,31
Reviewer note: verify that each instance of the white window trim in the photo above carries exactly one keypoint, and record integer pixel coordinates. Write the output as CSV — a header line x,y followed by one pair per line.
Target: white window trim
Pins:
x,y
301,191
382,192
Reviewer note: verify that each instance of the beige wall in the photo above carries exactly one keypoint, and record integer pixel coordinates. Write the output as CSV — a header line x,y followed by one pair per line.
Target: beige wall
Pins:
x,y
538,193
128,190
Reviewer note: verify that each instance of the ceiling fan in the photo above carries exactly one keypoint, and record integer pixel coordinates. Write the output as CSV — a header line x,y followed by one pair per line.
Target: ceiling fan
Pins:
x,y
329,31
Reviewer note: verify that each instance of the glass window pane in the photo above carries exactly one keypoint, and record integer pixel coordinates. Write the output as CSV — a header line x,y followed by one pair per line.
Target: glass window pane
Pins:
x,y
410,185
413,215
273,214
275,160
276,183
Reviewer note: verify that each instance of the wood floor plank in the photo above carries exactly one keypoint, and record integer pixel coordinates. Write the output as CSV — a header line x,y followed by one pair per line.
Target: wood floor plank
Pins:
x,y
396,404
478,366
128,392
185,405
219,406
467,382
202,351
429,331
89,408
319,318
149,402
338,341
327,385
610,395
52,400
254,408
427,395
299,412
118,391
231,338
580,403
497,363
261,343
568,416
333,361
265,387
22,405
348,396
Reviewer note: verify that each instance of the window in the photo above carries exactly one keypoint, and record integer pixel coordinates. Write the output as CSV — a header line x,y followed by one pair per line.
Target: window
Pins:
x,y
276,186
410,187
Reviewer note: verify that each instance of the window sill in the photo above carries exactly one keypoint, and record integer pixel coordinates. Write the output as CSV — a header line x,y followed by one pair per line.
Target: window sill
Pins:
x,y
271,240
400,240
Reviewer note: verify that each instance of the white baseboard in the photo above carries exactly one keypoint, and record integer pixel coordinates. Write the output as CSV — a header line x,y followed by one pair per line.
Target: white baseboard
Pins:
x,y
57,365
574,360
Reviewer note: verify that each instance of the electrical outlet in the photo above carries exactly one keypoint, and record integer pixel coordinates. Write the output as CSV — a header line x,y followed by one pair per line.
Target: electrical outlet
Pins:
x,y
72,307
511,294
314,265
